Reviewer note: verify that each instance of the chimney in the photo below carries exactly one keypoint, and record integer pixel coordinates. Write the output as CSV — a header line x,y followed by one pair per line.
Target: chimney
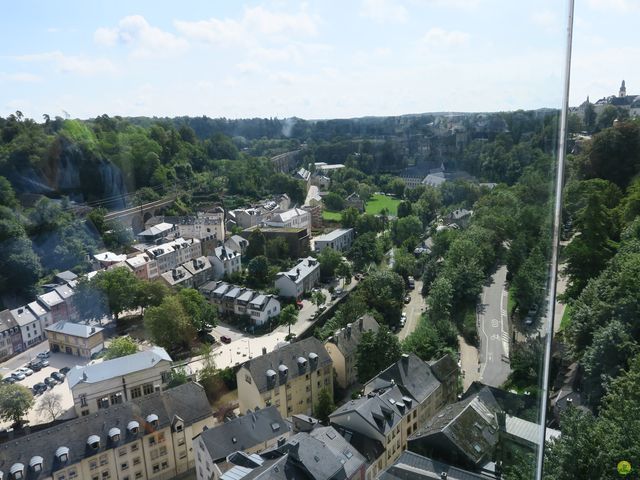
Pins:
x,y
501,417
443,476
405,359
348,330
360,322
264,350
9,433
20,310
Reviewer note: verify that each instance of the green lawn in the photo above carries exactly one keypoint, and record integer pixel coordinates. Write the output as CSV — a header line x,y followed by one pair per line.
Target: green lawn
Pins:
x,y
334,216
380,202
566,318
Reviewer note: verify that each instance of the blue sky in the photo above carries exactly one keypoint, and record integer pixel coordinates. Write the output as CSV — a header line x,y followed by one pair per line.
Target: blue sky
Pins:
x,y
322,59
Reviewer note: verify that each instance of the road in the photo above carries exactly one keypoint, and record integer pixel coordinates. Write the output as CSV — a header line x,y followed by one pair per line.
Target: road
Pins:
x,y
413,309
493,329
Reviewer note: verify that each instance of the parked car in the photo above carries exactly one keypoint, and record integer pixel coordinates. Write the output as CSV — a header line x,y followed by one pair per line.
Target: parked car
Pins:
x,y
50,382
407,299
26,371
18,375
40,388
44,354
64,370
411,282
58,376
225,339
44,363
35,366
9,380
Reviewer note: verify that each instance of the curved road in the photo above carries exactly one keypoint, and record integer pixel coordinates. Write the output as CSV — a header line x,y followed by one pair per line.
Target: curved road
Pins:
x,y
493,329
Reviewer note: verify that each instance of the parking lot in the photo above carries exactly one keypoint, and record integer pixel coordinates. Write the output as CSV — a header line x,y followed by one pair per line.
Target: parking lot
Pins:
x,y
56,362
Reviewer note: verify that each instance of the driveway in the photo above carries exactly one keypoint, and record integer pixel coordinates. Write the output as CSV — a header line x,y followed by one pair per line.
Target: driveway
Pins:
x,y
414,310
493,329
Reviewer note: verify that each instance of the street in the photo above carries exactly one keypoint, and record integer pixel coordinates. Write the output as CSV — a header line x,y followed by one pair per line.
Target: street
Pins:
x,y
493,329
414,310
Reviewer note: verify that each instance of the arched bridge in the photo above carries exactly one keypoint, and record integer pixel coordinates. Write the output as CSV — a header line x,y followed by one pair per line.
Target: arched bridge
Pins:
x,y
135,217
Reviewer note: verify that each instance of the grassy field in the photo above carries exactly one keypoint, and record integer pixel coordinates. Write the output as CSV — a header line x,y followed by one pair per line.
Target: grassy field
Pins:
x,y
566,318
380,202
334,216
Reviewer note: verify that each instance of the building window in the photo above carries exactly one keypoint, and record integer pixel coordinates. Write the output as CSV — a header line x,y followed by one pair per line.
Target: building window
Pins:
x,y
83,400
147,388
93,465
165,465
116,398
163,450
103,460
138,474
156,468
103,402
182,454
122,452
84,413
160,437
136,392
134,447
152,441
124,466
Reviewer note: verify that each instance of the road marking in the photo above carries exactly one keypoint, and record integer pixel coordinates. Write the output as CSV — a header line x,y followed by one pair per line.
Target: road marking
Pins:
x,y
494,323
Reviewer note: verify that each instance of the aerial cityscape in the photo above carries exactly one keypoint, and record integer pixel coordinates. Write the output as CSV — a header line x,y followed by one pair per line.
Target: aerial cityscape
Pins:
x,y
332,293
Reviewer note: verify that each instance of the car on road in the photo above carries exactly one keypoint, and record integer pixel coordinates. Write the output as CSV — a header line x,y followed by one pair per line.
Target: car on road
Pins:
x,y
9,380
225,339
18,375
403,319
27,371
407,299
411,282
44,354
64,370
58,376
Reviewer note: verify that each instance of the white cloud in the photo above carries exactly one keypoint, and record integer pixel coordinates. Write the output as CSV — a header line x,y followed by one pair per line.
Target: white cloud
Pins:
x,y
248,67
615,5
384,11
457,4
439,37
20,77
255,22
545,19
70,63
144,39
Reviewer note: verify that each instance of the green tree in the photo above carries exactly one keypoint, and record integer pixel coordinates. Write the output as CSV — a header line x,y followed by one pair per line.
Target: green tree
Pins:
x,y
397,187
375,352
333,201
257,244
151,293
329,260
324,407
343,271
90,302
528,284
169,325
404,209
288,316
405,228
7,195
384,291
15,402
177,377
349,217
258,271
121,347
202,314
120,286
318,298
404,263
367,223
277,249
366,249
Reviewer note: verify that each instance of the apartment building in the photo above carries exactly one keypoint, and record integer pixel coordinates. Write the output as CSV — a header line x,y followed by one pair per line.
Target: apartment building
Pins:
x,y
147,438
293,218
171,254
225,261
290,378
112,382
56,306
298,239
30,327
300,279
10,336
343,345
142,266
241,301
42,314
251,433
339,239
237,244
396,403
75,338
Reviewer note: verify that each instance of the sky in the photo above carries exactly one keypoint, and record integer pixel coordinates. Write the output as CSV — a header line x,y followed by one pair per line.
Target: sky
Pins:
x,y
324,59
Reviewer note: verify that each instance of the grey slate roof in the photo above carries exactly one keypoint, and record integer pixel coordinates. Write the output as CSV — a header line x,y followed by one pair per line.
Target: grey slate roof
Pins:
x,y
23,316
444,367
369,448
287,355
7,321
187,401
348,338
66,276
411,466
74,329
244,432
117,367
347,455
411,373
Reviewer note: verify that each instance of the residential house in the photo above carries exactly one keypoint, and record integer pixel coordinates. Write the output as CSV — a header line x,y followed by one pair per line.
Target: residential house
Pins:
x,y
201,225
339,239
55,305
302,174
171,254
75,338
112,382
10,336
147,438
293,218
65,277
300,279
178,277
41,313
225,261
251,433
142,266
108,259
290,378
411,466
354,201
321,181
297,238
66,292
342,347
237,300
460,217
30,326
237,244
200,269
246,217
158,233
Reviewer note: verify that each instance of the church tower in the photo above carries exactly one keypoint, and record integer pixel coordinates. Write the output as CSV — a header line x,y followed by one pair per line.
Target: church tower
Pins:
x,y
623,90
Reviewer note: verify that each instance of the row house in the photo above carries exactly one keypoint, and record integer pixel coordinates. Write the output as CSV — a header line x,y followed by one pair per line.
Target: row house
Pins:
x,y
237,300
225,261
146,438
190,274
171,254
30,326
10,336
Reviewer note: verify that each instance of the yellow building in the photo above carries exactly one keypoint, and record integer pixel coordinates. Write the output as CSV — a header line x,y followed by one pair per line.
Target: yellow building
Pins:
x,y
290,378
75,338
148,438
